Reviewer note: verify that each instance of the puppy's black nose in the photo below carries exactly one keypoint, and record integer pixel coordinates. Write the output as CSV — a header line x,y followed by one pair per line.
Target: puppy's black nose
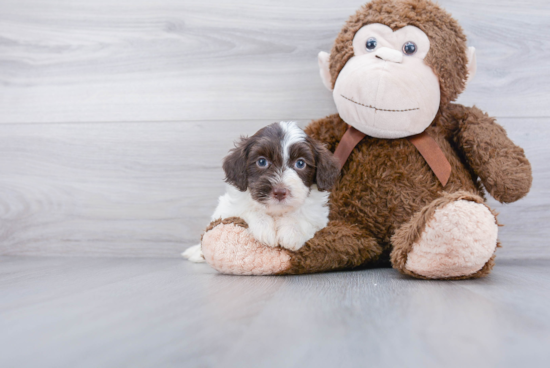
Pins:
x,y
279,193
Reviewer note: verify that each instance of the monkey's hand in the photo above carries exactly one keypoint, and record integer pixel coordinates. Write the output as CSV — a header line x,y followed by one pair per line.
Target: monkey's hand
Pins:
x,y
230,248
500,164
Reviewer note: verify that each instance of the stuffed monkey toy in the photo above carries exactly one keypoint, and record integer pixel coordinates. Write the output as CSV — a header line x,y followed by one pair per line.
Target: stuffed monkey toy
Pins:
x,y
415,166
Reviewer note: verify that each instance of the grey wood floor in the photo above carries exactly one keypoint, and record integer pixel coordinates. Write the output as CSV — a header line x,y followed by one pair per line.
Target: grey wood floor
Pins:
x,y
168,312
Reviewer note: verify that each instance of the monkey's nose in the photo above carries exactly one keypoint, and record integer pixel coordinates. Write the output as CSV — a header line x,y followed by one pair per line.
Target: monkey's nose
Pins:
x,y
387,54
280,193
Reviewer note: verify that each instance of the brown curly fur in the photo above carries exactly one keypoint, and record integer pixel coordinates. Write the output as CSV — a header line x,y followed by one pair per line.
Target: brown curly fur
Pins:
x,y
354,248
502,167
386,183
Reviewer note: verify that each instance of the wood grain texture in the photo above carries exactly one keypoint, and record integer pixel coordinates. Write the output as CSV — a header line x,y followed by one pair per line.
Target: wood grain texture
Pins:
x,y
129,107
171,60
105,312
149,189
135,189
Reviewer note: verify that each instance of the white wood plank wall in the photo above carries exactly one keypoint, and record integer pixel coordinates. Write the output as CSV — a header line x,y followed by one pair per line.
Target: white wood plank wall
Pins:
x,y
114,115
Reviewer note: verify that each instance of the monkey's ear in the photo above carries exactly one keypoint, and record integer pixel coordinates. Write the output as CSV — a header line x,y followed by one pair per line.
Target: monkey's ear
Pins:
x,y
328,168
234,165
324,69
472,63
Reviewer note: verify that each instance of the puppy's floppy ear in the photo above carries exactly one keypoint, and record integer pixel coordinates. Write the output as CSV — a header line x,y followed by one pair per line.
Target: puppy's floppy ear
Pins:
x,y
328,169
234,165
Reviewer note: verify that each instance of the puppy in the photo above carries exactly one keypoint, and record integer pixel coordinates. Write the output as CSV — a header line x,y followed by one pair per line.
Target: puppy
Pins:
x,y
277,182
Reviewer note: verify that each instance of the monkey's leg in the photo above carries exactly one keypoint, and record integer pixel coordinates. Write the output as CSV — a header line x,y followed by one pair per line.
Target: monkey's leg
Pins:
x,y
454,237
229,248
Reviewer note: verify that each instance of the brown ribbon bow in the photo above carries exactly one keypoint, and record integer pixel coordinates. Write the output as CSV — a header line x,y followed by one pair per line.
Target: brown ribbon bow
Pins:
x,y
426,145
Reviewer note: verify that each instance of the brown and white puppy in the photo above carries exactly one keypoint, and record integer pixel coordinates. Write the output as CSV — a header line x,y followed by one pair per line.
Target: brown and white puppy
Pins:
x,y
277,182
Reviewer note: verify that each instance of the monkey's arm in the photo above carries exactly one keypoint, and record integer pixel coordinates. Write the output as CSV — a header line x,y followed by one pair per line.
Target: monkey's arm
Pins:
x,y
500,164
337,246
229,248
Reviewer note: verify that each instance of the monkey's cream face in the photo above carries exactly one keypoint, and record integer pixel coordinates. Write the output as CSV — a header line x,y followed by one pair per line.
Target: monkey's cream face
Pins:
x,y
386,90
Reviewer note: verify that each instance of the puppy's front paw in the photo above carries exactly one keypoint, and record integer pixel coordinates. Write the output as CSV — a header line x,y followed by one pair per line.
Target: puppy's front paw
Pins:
x,y
264,232
194,254
268,238
291,237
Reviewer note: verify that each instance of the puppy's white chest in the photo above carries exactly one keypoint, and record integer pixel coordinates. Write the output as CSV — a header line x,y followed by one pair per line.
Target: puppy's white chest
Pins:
x,y
290,230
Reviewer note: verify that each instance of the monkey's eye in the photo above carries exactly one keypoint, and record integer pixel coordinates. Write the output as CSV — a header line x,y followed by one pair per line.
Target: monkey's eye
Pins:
x,y
300,164
409,48
262,162
371,44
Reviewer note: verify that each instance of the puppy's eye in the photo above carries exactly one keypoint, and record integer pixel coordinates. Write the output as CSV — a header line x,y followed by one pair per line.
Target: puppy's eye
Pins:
x,y
409,48
262,162
371,44
300,164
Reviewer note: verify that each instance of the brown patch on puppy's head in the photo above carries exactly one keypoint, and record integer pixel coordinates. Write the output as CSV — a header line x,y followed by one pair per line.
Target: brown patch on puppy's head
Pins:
x,y
327,168
447,56
321,169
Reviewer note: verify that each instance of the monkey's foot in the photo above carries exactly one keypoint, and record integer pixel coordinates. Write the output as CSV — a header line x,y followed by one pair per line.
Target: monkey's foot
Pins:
x,y
454,237
231,249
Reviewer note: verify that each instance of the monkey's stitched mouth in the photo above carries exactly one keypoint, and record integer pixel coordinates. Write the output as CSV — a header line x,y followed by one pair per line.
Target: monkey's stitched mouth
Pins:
x,y
376,108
